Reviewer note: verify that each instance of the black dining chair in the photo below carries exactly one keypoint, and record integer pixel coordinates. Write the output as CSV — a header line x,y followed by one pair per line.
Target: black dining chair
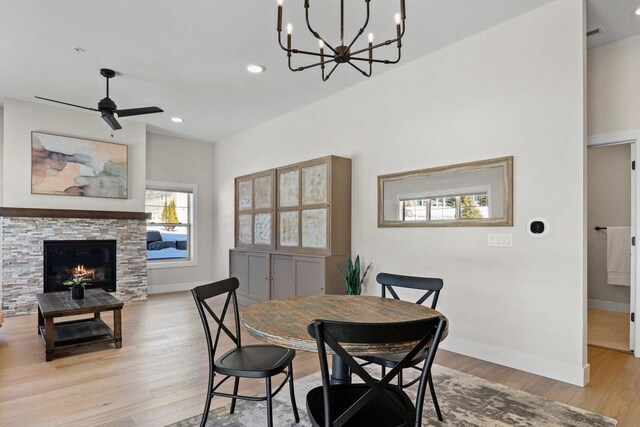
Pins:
x,y
249,361
432,288
374,402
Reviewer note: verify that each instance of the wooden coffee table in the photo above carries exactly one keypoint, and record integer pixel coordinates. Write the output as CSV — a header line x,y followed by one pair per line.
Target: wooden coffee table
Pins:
x,y
75,333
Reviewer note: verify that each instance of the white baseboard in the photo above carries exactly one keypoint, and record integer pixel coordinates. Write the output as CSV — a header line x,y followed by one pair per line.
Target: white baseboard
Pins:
x,y
620,307
577,375
174,287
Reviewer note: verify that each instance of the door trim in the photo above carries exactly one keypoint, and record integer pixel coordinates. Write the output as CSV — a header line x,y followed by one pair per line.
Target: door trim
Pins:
x,y
628,137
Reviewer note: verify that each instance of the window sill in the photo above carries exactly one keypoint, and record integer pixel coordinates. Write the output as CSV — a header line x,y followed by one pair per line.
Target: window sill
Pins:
x,y
153,264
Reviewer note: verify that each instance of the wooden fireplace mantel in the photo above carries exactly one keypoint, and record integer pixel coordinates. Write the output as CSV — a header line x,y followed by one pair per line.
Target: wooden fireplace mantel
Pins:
x,y
69,213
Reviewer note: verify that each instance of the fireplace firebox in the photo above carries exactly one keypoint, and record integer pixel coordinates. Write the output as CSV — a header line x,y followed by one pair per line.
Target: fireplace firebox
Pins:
x,y
96,259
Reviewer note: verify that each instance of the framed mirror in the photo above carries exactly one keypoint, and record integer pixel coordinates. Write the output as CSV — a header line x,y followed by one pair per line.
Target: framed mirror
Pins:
x,y
476,194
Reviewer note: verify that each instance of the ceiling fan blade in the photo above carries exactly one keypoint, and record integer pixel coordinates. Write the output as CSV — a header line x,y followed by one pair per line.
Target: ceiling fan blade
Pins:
x,y
66,103
138,111
111,121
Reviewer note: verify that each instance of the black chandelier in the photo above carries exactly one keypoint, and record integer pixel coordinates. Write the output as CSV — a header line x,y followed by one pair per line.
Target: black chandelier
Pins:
x,y
343,54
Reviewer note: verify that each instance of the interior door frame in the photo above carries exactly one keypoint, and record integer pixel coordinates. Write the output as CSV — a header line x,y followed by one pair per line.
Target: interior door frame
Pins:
x,y
628,137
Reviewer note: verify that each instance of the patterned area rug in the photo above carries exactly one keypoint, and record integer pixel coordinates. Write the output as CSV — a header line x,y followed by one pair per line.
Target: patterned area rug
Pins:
x,y
465,400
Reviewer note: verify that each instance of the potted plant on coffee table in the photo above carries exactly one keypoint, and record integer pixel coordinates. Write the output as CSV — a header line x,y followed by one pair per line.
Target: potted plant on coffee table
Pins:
x,y
77,284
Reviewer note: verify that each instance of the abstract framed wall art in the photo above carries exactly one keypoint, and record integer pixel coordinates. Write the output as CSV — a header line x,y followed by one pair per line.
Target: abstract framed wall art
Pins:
x,y
62,165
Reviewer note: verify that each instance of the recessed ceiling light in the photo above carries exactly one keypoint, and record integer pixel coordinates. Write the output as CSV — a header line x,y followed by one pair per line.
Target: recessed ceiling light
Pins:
x,y
638,11
255,69
177,119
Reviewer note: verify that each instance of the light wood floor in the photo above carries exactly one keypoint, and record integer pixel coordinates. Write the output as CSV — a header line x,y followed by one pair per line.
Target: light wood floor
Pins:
x,y
608,329
159,375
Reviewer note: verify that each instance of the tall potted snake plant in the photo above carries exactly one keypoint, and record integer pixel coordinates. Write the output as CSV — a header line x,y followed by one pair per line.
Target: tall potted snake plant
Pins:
x,y
352,280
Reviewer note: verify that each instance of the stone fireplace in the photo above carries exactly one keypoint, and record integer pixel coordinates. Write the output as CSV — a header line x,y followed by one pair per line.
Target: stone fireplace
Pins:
x,y
22,251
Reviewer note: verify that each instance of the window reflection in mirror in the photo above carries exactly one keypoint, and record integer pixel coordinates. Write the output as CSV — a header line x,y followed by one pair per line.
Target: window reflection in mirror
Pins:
x,y
476,194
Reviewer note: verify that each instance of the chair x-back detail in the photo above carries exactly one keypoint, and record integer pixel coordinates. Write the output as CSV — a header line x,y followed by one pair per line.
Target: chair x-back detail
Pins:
x,y
251,361
375,402
432,287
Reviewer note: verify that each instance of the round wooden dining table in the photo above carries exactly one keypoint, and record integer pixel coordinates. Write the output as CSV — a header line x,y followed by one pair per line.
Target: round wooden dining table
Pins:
x,y
284,322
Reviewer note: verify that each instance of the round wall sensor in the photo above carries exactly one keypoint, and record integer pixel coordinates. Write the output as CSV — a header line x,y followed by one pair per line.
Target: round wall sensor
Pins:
x,y
538,227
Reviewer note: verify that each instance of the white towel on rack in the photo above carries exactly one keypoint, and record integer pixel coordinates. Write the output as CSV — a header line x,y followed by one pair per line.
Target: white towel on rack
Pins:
x,y
619,256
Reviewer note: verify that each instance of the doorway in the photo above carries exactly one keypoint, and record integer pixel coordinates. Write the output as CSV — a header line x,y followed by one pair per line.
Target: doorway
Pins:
x,y
611,254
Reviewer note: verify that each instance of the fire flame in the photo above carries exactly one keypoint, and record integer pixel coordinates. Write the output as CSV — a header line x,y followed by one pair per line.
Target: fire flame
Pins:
x,y
87,273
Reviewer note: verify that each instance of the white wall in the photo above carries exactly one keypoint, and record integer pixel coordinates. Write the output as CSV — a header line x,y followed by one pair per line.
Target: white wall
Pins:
x,y
21,118
186,162
516,89
614,105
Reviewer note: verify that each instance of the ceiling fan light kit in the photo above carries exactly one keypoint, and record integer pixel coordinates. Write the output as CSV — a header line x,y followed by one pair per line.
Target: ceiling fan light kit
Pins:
x,y
342,53
107,108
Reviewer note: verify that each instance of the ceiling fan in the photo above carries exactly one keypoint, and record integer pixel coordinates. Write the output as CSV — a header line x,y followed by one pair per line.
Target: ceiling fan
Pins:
x,y
108,109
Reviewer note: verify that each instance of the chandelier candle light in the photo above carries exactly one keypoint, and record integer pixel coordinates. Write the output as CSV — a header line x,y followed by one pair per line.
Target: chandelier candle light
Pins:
x,y
342,54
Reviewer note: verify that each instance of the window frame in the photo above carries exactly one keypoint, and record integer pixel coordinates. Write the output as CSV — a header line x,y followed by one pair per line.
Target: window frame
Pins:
x,y
192,225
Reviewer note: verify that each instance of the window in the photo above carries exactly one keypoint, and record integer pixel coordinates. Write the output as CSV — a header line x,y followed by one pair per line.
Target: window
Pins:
x,y
474,206
414,210
443,208
466,206
170,223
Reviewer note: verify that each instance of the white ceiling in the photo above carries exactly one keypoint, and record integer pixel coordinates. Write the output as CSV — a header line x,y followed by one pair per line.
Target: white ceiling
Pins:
x,y
189,57
617,19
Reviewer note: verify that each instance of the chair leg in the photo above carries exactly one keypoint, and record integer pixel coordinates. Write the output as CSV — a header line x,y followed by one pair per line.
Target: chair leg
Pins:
x,y
293,394
235,393
400,379
207,405
269,404
384,370
434,398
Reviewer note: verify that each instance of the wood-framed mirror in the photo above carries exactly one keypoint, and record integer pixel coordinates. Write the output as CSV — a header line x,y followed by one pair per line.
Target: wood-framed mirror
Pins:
x,y
475,194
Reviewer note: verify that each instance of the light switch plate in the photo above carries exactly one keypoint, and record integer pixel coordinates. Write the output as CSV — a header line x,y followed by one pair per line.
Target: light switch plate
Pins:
x,y
500,240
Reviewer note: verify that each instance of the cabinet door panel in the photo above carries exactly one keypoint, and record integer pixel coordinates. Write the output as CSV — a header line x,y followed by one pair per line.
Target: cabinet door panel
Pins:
x,y
263,227
245,229
314,184
314,228
309,276
263,188
283,276
245,195
288,229
259,276
289,188
240,270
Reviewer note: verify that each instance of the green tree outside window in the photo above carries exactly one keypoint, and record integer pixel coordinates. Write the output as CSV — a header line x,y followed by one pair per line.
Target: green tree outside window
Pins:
x,y
469,208
169,214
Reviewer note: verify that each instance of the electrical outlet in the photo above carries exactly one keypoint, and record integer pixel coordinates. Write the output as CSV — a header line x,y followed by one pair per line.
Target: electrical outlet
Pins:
x,y
500,240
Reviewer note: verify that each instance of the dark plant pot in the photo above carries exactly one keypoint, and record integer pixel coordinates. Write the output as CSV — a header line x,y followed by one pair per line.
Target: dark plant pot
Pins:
x,y
77,292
